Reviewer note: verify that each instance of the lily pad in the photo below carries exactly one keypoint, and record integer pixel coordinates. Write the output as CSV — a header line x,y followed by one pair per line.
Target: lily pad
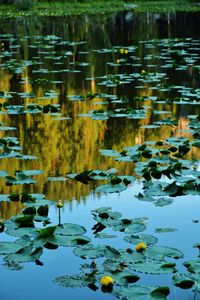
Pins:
x,y
26,254
186,281
142,238
90,251
70,229
154,267
160,252
73,281
8,247
111,188
142,292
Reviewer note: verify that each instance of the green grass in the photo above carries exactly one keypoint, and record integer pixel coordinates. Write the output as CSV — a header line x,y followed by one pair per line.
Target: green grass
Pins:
x,y
97,7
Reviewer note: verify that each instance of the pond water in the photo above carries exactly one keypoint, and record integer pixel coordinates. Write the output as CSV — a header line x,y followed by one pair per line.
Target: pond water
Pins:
x,y
109,96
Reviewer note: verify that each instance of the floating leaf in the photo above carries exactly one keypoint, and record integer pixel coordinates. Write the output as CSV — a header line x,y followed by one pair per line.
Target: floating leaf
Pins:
x,y
70,229
154,267
73,281
111,188
142,292
8,247
186,281
160,252
164,230
26,254
48,231
193,266
142,238
90,251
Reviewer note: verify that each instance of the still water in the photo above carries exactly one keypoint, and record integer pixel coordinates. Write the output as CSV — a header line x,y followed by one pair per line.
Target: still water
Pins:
x,y
91,69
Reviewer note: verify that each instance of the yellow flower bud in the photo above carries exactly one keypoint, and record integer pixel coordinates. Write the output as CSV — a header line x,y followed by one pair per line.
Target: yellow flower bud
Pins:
x,y
141,247
125,51
143,72
118,61
59,204
121,51
106,280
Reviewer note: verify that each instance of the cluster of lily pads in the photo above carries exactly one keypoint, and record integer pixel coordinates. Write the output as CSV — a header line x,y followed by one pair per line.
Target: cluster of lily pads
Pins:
x,y
161,166
122,265
119,270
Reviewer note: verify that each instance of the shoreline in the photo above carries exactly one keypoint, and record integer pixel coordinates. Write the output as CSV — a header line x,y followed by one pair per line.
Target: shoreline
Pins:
x,y
73,8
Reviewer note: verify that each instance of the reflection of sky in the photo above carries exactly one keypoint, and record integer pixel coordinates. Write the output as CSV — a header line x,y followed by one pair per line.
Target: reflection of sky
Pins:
x,y
37,281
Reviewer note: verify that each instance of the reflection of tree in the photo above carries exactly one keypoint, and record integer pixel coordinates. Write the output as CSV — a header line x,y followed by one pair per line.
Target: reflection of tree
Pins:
x,y
71,146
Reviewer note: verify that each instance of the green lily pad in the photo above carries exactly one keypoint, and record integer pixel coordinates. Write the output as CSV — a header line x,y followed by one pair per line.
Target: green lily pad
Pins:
x,y
48,231
142,292
193,266
160,252
61,240
186,281
8,247
20,178
13,229
135,227
142,238
90,251
154,267
74,281
70,229
26,254
164,230
111,188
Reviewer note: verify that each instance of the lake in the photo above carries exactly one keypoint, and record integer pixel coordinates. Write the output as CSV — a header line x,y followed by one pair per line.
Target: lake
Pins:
x,y
99,143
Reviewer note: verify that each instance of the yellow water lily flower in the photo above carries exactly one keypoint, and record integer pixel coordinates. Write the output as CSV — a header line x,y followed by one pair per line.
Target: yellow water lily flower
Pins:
x,y
106,280
143,72
118,61
123,51
141,247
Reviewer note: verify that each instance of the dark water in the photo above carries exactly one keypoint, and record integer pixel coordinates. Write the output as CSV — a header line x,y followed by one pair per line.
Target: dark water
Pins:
x,y
54,58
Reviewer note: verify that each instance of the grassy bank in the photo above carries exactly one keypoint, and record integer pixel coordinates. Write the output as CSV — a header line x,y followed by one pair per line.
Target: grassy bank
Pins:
x,y
100,7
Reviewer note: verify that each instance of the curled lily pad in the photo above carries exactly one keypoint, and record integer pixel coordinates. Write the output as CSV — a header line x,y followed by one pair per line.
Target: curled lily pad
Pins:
x,y
26,254
48,231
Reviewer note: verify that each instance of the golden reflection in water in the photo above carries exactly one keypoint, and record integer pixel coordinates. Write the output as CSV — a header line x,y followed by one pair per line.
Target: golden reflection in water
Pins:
x,y
72,145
